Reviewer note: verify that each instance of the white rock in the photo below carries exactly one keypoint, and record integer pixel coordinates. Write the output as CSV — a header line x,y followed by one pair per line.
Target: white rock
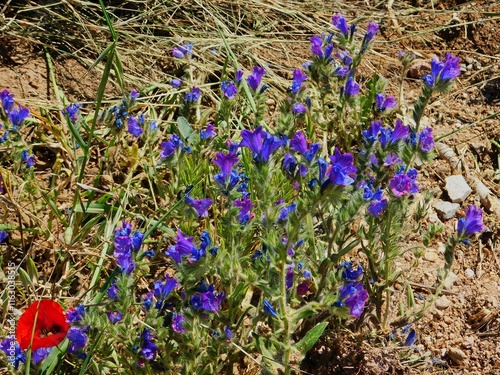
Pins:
x,y
457,188
442,303
450,280
447,210
469,273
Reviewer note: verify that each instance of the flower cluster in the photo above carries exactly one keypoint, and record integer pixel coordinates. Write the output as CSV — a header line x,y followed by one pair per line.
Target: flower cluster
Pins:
x,y
126,244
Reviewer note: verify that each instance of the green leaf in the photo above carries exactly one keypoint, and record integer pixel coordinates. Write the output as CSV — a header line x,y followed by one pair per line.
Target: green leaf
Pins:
x,y
184,127
308,341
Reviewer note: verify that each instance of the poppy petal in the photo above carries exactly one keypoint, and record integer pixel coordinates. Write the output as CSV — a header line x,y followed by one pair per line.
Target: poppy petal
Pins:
x,y
49,329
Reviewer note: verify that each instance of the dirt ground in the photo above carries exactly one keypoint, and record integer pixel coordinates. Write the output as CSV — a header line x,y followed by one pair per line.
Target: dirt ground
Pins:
x,y
462,334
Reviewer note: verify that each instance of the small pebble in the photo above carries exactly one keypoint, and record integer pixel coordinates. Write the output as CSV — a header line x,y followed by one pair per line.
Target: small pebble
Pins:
x,y
469,273
450,280
457,355
442,303
431,256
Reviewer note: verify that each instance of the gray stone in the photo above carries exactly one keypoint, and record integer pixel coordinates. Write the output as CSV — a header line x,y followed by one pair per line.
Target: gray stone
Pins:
x,y
442,303
445,209
450,280
457,355
457,188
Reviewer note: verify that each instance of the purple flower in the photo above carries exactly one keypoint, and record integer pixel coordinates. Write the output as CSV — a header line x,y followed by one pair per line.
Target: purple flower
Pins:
x,y
371,134
426,139
351,87
289,275
148,347
7,100
184,246
17,115
193,95
134,94
400,185
268,308
245,206
229,89
391,159
72,111
3,235
147,300
113,291
40,354
30,160
342,169
200,205
316,45
261,143
348,273
12,349
299,108
472,223
182,51
254,79
382,103
340,23
400,132
345,57
209,132
175,83
137,238
403,184
76,314
168,148
442,71
178,323
133,127
289,164
298,78
126,263
228,333
77,339
162,290
208,300
377,207
299,143
342,72
354,296
238,76
226,162
371,30
114,316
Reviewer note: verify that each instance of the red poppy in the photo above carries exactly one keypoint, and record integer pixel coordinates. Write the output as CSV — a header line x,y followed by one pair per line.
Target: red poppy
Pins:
x,y
49,322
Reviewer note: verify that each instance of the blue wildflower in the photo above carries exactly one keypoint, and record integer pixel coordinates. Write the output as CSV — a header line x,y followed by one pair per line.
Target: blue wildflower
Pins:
x,y
268,308
255,78
339,21
229,89
133,127
245,206
184,246
351,88
299,143
472,223
178,323
114,316
426,139
261,143
7,100
72,111
17,115
30,160
298,79
76,314
342,170
200,205
193,95
354,296
77,339
175,83
182,51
